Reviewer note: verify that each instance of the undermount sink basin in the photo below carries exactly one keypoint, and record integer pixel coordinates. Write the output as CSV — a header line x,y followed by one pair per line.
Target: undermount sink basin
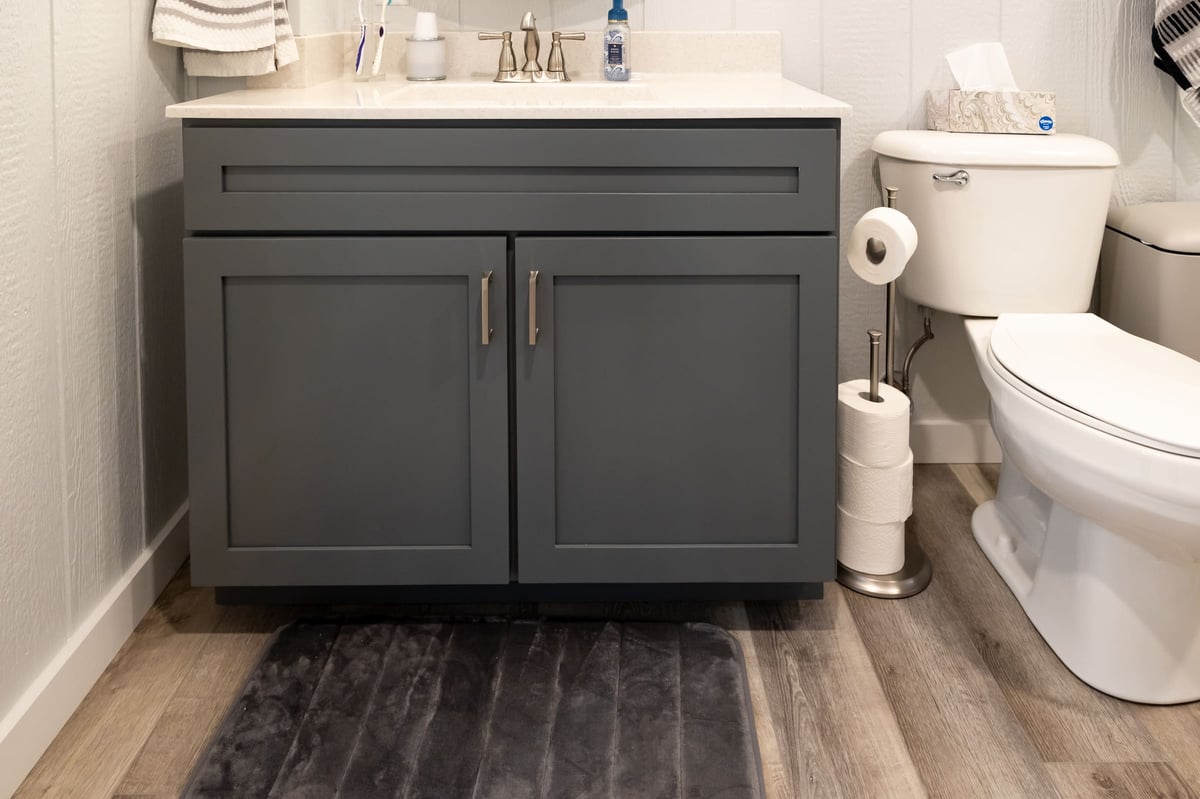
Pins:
x,y
452,93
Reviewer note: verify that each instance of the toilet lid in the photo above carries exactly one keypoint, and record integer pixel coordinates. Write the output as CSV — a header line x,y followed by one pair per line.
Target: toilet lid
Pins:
x,y
1114,380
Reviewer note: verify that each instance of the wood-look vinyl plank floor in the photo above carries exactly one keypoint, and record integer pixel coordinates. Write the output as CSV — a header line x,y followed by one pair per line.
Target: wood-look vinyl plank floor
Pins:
x,y
1066,720
948,694
1118,781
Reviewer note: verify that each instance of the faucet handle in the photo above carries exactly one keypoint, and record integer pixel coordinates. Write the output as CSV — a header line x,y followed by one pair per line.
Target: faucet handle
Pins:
x,y
556,67
507,71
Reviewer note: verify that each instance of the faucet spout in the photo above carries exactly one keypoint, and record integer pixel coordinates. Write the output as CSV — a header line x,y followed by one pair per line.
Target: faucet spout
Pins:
x,y
533,47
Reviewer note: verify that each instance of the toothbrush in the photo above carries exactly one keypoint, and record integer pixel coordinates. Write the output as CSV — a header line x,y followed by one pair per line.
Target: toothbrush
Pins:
x,y
362,39
382,35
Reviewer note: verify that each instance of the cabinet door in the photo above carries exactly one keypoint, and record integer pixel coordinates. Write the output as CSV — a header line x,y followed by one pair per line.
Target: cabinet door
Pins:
x,y
676,409
347,423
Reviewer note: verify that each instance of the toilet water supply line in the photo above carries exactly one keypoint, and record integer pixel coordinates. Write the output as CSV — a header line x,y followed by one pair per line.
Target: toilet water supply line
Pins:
x,y
902,379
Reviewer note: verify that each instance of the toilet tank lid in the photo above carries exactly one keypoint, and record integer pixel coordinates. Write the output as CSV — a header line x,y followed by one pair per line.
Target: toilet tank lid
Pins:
x,y
1174,227
995,149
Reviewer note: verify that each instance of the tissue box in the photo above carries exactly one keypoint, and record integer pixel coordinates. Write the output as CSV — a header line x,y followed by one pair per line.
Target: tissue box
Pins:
x,y
991,112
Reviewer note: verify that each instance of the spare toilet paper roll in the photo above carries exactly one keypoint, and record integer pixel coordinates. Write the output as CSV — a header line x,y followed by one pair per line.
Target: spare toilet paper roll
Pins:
x,y
874,434
873,494
898,237
868,547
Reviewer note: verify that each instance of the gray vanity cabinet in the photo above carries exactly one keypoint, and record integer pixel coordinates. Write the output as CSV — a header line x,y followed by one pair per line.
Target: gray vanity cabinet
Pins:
x,y
348,424
673,422
670,423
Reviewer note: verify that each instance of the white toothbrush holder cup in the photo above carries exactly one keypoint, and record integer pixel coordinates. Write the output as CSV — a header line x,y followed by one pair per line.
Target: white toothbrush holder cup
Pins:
x,y
426,59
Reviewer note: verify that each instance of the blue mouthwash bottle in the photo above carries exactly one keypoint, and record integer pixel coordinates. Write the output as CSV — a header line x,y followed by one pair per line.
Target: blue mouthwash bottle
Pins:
x,y
616,43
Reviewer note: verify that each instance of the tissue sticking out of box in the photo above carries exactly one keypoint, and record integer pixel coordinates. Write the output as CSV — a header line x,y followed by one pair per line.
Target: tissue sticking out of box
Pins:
x,y
987,99
982,67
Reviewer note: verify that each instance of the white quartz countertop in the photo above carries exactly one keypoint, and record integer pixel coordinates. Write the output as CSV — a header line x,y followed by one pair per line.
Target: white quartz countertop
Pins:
x,y
647,96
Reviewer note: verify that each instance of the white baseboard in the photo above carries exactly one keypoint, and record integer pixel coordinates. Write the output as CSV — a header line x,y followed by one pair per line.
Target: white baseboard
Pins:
x,y
951,441
29,728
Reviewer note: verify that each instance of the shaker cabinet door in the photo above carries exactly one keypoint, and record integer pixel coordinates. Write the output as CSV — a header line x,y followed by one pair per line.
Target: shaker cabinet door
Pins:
x,y
348,410
675,411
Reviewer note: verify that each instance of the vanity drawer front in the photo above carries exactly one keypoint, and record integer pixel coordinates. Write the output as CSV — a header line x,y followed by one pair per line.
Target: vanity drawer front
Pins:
x,y
666,179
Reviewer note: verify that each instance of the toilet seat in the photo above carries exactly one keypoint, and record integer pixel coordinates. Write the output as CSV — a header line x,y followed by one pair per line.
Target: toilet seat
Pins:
x,y
1093,372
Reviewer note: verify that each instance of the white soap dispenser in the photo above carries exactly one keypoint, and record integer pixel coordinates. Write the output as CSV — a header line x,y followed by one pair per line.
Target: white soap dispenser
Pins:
x,y
616,43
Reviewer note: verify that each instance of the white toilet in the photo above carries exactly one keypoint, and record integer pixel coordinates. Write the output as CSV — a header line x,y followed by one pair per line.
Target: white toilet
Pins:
x,y
1096,524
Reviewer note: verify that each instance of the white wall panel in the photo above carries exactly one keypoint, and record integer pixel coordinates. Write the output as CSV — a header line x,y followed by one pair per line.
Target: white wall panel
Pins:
x,y
939,26
158,260
1130,104
867,64
1187,156
403,18
592,15
505,16
94,191
33,563
1045,43
320,16
689,15
799,22
945,384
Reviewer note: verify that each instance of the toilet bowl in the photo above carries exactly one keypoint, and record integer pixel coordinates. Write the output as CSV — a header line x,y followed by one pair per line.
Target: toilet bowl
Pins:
x,y
1097,531
1096,523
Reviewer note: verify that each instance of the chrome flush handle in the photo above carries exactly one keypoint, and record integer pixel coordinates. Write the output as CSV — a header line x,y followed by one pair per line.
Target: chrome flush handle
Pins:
x,y
962,177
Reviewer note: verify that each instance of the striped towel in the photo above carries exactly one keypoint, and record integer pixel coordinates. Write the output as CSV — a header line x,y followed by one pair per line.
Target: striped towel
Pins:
x,y
1176,39
227,38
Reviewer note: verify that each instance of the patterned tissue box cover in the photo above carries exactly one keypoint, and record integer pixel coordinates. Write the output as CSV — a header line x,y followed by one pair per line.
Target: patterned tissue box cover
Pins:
x,y
992,112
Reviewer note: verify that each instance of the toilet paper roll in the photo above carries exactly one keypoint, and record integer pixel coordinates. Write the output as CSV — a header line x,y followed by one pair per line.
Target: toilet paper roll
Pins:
x,y
874,434
898,237
868,547
876,495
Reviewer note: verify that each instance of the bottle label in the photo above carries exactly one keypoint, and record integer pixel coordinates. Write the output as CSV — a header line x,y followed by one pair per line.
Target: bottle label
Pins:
x,y
616,53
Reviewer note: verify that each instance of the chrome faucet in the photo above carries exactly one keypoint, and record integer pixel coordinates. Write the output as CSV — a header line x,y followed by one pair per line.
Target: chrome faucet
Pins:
x,y
532,72
533,46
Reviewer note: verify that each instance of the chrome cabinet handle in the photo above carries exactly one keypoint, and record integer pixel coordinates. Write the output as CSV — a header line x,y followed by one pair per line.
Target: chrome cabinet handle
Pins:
x,y
485,304
962,177
533,328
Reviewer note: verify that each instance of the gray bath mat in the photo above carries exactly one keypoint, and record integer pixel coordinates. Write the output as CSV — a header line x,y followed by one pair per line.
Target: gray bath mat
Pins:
x,y
489,710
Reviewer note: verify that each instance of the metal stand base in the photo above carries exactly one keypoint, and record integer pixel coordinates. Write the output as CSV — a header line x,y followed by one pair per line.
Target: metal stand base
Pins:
x,y
912,579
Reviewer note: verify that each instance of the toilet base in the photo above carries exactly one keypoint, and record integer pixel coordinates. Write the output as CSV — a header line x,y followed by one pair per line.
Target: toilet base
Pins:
x,y
1124,619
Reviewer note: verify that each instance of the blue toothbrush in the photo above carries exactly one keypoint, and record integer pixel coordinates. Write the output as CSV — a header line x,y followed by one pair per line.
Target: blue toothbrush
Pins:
x,y
362,40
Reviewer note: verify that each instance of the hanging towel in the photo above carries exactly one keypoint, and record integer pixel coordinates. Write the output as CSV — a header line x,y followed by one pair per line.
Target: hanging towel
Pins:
x,y
227,38
1176,39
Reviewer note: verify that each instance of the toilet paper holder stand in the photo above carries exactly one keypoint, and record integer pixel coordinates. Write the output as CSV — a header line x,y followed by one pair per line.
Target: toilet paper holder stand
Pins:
x,y
917,572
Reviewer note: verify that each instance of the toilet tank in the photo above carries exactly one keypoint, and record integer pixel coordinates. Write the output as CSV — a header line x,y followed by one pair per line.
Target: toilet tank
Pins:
x,y
1150,273
1007,223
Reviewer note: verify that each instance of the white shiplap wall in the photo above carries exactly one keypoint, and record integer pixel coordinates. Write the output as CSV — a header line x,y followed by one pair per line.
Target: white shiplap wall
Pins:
x,y
34,597
92,434
881,57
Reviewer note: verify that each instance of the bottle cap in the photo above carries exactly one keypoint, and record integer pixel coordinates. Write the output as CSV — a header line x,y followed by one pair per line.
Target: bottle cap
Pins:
x,y
618,12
